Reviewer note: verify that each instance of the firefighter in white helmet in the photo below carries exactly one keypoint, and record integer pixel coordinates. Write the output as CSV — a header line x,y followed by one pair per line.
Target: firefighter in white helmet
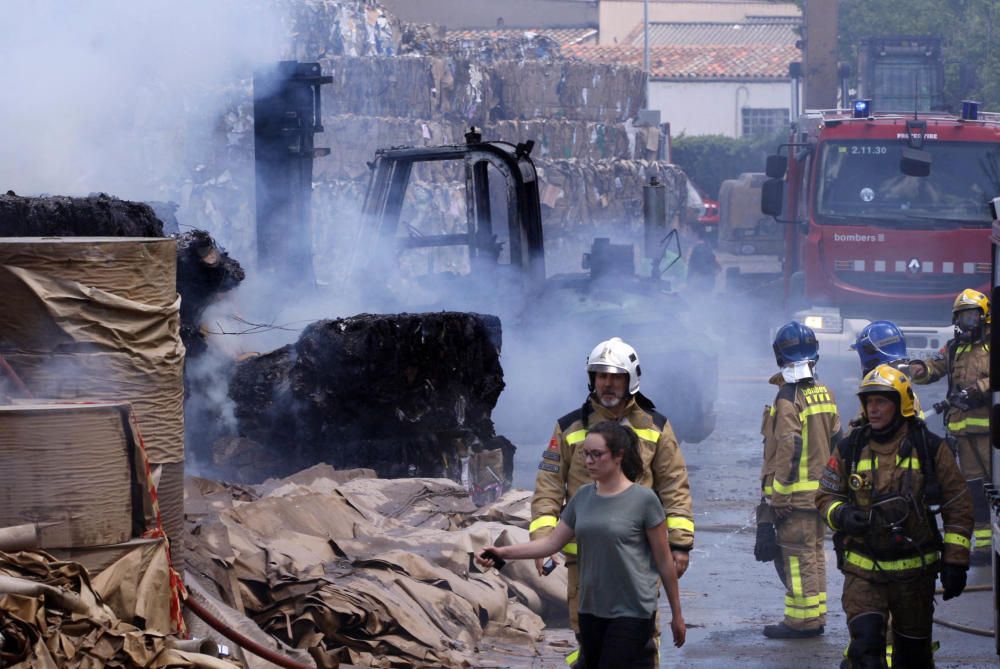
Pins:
x,y
614,371
965,361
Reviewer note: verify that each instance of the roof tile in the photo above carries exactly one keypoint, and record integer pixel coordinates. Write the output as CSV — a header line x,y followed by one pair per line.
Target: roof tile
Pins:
x,y
725,61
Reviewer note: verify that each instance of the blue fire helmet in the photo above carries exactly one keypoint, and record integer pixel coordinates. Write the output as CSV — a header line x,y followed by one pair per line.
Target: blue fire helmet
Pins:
x,y
879,343
795,342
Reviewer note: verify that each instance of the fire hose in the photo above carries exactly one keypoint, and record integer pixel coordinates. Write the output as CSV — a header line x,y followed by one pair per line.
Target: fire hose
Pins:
x,y
241,640
15,379
968,629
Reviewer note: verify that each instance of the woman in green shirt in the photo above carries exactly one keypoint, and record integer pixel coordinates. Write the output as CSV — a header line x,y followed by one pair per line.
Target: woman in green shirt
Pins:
x,y
621,532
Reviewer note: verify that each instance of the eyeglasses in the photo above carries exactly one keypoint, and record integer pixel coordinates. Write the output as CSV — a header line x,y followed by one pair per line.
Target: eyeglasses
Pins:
x,y
594,455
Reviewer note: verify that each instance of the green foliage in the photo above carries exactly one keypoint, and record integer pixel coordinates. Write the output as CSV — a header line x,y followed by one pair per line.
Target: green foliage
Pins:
x,y
708,160
968,29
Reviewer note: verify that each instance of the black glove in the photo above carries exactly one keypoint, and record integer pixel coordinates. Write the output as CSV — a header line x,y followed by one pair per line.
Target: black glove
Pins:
x,y
953,580
498,562
852,520
765,549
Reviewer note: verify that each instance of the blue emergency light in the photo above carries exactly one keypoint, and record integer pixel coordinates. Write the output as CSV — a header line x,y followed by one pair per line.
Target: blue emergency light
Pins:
x,y
862,108
970,110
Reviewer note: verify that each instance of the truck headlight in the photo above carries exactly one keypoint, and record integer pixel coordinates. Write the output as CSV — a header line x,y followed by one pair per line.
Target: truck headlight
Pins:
x,y
822,321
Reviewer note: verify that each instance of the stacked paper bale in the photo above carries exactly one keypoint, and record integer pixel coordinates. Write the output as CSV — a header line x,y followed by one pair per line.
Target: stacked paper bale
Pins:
x,y
98,318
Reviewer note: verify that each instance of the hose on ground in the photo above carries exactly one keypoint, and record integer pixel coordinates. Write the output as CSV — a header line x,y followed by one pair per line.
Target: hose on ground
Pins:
x,y
240,640
978,631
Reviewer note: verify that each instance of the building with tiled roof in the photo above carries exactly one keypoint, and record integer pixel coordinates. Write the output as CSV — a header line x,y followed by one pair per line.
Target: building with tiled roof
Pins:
x,y
755,30
713,77
618,19
725,62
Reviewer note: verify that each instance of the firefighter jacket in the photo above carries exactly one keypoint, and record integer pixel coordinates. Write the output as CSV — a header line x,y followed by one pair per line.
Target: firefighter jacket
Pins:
x,y
967,365
799,431
897,484
562,470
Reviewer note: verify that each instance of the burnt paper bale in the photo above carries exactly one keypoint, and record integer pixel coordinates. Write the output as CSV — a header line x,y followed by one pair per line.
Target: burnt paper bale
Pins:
x,y
92,216
403,394
204,271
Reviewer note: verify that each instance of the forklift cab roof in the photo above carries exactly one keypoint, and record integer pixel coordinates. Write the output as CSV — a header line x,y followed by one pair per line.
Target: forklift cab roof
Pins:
x,y
391,171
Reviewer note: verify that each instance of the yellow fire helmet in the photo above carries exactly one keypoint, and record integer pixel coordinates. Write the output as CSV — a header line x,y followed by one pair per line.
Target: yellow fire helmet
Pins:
x,y
888,379
971,299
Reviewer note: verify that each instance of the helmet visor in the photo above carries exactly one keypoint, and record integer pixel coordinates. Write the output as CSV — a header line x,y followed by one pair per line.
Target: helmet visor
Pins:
x,y
967,319
607,369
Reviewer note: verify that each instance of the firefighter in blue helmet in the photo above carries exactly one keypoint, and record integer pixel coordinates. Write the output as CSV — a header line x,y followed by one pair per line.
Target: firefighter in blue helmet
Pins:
x,y
799,430
880,343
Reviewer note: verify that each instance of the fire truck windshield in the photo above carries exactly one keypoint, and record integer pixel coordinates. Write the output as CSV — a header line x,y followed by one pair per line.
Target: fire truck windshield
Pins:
x,y
860,183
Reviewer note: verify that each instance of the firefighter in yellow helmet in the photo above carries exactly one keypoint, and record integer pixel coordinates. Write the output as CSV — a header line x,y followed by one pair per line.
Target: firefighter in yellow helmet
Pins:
x,y
965,361
799,430
614,371
880,493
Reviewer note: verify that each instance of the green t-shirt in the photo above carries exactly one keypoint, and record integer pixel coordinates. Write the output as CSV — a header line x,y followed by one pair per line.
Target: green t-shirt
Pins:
x,y
618,575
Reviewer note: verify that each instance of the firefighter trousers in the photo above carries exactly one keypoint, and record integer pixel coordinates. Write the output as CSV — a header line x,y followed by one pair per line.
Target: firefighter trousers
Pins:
x,y
868,605
974,461
802,569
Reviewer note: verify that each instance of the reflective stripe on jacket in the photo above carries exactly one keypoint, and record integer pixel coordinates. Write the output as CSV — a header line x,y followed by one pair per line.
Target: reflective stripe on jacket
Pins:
x,y
966,366
799,431
887,469
562,470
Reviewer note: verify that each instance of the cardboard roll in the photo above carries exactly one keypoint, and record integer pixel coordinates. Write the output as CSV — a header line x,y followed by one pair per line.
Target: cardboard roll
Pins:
x,y
137,269
67,469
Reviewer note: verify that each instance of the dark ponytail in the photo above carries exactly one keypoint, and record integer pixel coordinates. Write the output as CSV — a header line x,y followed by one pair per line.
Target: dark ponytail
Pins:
x,y
621,440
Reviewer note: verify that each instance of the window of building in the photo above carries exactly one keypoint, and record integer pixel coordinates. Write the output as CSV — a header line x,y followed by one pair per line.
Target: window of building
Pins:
x,y
763,121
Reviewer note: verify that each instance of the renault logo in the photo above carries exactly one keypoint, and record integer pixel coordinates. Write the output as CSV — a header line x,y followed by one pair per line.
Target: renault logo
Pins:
x,y
913,265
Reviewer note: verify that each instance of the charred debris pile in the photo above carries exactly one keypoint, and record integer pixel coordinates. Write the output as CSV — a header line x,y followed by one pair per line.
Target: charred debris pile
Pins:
x,y
403,395
204,269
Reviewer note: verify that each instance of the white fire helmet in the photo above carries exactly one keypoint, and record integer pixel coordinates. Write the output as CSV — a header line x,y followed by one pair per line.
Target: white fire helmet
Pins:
x,y
614,356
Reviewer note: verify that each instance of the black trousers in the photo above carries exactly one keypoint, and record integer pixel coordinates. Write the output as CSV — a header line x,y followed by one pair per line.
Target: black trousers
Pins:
x,y
616,643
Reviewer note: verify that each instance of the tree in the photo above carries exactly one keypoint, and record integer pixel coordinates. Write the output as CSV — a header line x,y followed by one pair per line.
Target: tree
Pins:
x,y
708,160
966,28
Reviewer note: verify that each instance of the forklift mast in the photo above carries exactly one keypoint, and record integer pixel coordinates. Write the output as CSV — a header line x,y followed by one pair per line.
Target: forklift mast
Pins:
x,y
380,239
287,113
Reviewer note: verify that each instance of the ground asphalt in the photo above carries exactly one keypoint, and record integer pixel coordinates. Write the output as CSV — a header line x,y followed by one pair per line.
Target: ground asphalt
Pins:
x,y
728,597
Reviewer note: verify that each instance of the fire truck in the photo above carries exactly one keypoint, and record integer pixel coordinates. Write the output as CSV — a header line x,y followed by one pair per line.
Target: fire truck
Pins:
x,y
886,217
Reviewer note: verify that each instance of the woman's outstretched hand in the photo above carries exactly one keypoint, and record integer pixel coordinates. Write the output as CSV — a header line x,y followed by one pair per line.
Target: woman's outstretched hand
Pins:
x,y
490,557
678,629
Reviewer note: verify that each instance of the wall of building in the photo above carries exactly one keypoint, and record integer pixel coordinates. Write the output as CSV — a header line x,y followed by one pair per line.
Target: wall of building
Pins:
x,y
708,108
484,13
618,18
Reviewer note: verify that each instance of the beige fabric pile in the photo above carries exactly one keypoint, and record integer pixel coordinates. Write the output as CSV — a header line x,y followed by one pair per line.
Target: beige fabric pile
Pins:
x,y
53,616
373,572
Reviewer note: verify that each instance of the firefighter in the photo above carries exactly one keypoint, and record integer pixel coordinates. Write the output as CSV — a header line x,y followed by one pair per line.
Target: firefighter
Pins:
x,y
879,493
798,432
881,343
965,360
878,343
613,370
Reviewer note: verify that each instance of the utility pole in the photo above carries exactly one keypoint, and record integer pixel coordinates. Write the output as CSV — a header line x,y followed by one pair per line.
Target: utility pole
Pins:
x,y
820,54
645,45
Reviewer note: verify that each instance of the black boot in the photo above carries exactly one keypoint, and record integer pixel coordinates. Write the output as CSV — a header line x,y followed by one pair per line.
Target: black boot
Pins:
x,y
867,649
911,653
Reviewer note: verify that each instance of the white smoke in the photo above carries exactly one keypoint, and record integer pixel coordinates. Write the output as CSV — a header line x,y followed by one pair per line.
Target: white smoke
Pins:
x,y
117,96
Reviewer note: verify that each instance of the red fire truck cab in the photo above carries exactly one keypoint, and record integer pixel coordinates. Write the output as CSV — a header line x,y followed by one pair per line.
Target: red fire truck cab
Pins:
x,y
887,218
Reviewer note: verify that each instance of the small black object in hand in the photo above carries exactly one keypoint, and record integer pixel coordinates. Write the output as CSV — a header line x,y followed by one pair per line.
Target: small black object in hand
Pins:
x,y
548,567
498,562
